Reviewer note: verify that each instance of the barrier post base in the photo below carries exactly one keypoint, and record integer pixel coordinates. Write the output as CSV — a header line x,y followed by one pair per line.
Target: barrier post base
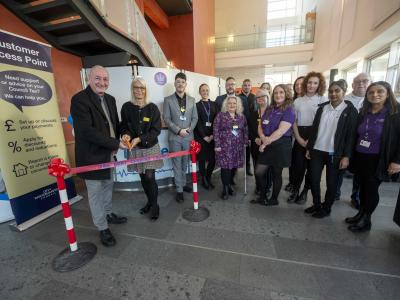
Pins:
x,y
196,215
67,260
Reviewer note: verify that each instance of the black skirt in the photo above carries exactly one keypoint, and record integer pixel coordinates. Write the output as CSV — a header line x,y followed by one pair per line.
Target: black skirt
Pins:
x,y
207,150
277,154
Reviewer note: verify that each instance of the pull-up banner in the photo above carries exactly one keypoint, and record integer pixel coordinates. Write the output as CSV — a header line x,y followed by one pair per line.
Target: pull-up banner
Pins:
x,y
30,127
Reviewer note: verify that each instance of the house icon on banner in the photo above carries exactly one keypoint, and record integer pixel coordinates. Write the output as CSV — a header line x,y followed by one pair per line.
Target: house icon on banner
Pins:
x,y
20,170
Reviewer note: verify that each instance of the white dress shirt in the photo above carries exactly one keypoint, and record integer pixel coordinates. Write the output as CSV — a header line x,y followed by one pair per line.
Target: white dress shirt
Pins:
x,y
305,108
327,127
356,100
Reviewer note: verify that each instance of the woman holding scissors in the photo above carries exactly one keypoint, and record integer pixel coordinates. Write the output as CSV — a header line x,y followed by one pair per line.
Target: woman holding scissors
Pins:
x,y
140,128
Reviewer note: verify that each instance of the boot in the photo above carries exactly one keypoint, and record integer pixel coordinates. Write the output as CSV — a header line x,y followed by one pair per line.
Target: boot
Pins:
x,y
356,218
364,224
231,191
259,200
272,201
312,209
155,213
204,182
145,209
302,198
293,196
224,194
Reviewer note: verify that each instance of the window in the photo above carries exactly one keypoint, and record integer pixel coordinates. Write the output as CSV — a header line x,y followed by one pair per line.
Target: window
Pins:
x,y
393,72
281,9
377,65
348,75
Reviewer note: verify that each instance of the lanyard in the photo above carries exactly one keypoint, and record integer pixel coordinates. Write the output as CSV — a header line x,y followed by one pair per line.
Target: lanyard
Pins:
x,y
208,111
182,105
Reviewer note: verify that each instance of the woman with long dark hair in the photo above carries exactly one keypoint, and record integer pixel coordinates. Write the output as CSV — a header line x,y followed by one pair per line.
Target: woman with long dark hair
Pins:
x,y
275,132
207,110
377,147
140,128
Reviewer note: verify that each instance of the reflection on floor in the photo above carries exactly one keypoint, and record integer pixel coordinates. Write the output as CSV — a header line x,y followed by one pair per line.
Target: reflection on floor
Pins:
x,y
242,251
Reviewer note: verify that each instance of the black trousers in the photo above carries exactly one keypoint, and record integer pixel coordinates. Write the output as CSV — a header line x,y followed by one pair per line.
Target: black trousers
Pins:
x,y
248,158
365,167
207,171
319,160
300,163
267,176
150,186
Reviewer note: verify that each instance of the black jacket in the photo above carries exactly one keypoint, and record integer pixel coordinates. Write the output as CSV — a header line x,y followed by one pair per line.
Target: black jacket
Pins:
x,y
144,123
248,103
201,129
390,143
93,143
344,135
253,124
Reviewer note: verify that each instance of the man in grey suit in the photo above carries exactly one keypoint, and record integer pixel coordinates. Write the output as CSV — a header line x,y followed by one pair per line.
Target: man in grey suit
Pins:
x,y
180,116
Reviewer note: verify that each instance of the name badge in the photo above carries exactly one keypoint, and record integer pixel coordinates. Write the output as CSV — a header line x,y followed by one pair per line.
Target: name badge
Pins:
x,y
365,144
258,121
182,118
235,127
183,109
266,122
235,132
208,124
146,119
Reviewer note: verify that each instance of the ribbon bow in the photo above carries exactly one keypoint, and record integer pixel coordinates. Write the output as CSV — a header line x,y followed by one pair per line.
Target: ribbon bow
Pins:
x,y
58,168
195,147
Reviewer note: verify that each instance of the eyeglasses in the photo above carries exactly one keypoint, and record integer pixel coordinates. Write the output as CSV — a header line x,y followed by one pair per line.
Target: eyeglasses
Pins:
x,y
259,97
139,88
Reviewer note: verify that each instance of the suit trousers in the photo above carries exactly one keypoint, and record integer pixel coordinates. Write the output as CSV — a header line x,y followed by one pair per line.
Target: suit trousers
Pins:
x,y
319,159
179,164
300,163
100,200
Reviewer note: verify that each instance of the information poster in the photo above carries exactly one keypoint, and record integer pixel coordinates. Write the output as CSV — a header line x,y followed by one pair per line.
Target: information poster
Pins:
x,y
30,126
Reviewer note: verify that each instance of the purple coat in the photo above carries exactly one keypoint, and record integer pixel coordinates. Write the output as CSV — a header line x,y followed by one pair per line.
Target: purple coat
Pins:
x,y
231,135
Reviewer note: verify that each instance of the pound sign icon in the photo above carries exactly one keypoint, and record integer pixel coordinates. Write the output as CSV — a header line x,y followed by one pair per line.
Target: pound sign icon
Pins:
x,y
9,125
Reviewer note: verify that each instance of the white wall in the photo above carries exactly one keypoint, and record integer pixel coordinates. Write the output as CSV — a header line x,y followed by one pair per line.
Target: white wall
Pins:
x,y
240,17
347,30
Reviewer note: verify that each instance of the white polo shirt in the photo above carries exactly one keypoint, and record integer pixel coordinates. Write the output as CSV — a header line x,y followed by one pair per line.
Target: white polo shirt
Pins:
x,y
327,127
356,100
305,108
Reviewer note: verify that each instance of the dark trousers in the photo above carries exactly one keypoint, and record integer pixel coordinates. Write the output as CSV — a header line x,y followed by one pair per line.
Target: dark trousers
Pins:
x,y
366,165
355,191
300,163
150,186
291,169
319,160
227,175
261,174
248,158
207,171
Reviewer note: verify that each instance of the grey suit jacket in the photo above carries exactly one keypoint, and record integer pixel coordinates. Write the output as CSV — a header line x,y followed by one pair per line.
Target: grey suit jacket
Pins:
x,y
172,113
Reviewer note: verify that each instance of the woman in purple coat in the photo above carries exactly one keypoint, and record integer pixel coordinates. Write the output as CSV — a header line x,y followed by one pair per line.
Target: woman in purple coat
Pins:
x,y
230,135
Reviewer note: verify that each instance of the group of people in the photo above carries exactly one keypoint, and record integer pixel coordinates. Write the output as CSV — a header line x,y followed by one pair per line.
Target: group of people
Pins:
x,y
284,127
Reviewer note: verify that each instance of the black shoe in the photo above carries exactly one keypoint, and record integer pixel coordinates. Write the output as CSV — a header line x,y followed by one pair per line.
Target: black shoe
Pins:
x,y
210,183
272,201
204,183
322,213
114,219
187,189
145,209
312,209
258,200
337,198
293,196
224,194
179,197
289,187
302,198
231,191
155,213
364,224
355,204
106,238
355,219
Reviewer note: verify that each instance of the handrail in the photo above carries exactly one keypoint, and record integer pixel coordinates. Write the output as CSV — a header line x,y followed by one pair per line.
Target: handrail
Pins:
x,y
125,17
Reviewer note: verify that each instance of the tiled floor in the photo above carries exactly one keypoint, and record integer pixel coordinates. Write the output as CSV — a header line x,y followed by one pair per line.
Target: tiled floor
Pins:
x,y
241,251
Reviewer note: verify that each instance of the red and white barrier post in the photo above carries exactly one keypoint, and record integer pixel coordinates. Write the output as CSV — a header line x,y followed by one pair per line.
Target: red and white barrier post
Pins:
x,y
76,255
197,214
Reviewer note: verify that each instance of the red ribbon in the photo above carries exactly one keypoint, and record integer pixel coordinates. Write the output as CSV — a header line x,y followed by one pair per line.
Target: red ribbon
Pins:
x,y
58,168
195,147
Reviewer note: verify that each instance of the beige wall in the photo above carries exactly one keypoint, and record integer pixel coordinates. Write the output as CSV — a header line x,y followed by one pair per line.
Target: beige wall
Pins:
x,y
240,17
346,30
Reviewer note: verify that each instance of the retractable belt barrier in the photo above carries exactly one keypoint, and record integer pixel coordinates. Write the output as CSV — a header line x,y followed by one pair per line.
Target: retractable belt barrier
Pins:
x,y
78,254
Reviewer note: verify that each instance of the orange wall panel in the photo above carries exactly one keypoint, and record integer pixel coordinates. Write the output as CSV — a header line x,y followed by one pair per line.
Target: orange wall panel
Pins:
x,y
203,32
177,41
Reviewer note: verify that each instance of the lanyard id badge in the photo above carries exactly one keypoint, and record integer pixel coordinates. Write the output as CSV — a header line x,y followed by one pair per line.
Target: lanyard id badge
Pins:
x,y
364,143
235,130
208,124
